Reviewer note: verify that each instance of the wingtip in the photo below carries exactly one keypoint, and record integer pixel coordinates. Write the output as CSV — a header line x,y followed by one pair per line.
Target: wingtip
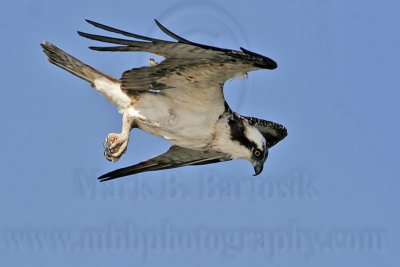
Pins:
x,y
47,46
267,62
160,25
103,178
44,44
84,34
92,22
109,176
171,34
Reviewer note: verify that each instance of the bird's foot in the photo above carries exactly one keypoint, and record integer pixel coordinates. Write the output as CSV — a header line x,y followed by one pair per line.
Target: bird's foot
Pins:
x,y
152,62
114,146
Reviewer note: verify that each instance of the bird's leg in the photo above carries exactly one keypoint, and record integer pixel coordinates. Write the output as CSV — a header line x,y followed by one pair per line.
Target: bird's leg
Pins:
x,y
116,143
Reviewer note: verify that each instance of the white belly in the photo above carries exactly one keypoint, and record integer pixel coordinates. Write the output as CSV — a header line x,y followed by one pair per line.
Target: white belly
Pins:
x,y
186,117
183,118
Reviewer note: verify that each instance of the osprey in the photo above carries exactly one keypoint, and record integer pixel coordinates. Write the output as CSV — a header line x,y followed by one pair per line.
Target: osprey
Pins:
x,y
179,99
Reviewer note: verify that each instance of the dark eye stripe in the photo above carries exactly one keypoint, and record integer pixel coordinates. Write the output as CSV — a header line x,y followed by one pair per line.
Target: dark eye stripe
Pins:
x,y
237,133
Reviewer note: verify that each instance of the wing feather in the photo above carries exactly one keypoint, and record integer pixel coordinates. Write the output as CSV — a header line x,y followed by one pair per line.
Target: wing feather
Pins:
x,y
197,59
171,34
175,157
169,74
128,34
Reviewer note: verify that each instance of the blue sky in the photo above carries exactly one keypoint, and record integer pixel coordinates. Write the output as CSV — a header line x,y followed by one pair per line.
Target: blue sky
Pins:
x,y
328,193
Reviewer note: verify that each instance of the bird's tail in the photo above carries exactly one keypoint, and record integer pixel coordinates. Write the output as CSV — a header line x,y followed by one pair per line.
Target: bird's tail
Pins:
x,y
73,65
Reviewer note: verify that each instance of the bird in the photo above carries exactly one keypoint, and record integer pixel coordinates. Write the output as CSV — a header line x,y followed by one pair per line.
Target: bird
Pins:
x,y
180,99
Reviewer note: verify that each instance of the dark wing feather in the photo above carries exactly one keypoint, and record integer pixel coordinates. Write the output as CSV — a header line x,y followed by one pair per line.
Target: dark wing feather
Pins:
x,y
175,157
111,29
171,34
185,41
162,48
273,132
258,59
211,66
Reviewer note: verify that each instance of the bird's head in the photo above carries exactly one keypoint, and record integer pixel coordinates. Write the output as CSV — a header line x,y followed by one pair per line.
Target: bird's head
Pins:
x,y
253,145
258,149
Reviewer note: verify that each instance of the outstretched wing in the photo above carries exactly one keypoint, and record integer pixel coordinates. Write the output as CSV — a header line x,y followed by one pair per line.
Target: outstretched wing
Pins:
x,y
273,132
175,157
186,63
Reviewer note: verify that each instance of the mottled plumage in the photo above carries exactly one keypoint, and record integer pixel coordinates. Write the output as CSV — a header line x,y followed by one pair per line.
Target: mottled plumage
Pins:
x,y
179,99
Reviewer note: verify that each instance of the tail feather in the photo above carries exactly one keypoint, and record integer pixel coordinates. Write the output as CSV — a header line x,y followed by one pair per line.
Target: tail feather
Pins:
x,y
71,64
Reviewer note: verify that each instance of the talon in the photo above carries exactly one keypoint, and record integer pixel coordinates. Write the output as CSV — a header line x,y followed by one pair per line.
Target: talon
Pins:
x,y
114,146
105,144
152,62
108,157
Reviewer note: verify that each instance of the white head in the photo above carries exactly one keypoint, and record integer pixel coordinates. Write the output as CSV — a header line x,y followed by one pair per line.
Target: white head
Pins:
x,y
250,141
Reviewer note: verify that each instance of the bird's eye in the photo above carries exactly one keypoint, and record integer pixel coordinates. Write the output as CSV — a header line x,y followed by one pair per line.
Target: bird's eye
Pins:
x,y
257,153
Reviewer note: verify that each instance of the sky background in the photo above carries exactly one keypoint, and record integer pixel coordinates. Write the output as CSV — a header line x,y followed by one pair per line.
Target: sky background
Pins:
x,y
329,192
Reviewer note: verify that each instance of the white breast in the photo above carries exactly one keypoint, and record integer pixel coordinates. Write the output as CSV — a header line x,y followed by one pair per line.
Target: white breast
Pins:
x,y
186,118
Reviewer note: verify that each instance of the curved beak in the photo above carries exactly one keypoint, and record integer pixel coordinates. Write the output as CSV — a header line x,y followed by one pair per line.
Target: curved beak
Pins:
x,y
258,168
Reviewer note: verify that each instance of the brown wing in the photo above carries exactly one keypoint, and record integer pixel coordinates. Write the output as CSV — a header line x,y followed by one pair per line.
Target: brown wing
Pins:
x,y
175,157
199,65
